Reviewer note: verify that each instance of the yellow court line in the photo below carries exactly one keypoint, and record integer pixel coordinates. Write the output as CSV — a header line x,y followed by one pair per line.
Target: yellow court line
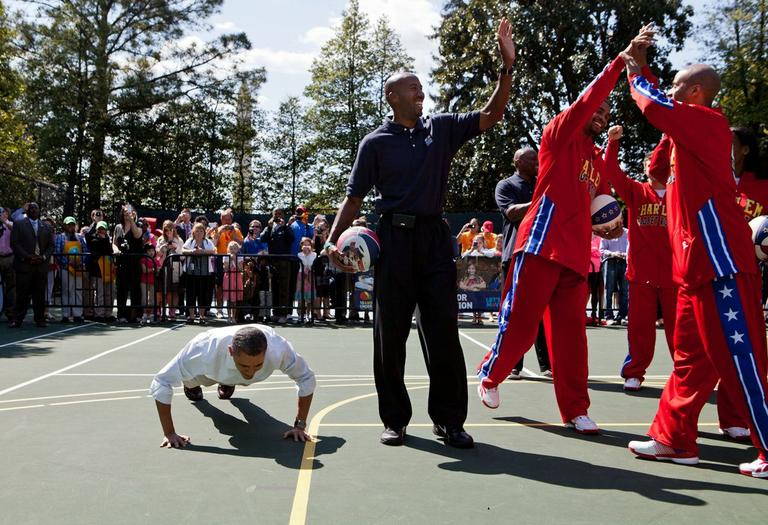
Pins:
x,y
301,496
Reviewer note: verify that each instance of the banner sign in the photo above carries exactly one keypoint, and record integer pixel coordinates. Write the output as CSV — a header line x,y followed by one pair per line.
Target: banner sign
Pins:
x,y
478,283
362,291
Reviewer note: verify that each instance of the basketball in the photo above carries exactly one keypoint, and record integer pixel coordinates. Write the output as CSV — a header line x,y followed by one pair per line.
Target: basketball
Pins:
x,y
359,247
606,213
759,227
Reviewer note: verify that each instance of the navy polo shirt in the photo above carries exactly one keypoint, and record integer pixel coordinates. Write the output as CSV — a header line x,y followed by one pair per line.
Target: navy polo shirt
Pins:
x,y
509,191
409,168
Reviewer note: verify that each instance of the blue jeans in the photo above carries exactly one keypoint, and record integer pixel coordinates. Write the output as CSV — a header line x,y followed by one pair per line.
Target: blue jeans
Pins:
x,y
615,278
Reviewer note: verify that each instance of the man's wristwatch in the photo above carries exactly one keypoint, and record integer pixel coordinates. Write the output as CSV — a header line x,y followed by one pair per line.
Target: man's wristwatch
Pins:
x,y
328,244
505,70
300,424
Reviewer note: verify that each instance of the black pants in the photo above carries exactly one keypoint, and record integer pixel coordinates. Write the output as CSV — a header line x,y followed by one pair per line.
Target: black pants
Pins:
x,y
199,293
31,285
281,286
129,286
542,351
416,268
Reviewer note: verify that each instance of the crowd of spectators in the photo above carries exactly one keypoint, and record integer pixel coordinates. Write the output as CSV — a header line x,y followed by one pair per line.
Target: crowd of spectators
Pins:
x,y
137,271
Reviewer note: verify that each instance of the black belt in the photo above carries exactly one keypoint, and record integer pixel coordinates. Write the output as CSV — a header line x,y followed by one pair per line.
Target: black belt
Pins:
x,y
406,221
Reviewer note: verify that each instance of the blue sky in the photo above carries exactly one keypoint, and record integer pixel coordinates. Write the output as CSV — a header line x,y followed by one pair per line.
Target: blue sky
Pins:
x,y
287,34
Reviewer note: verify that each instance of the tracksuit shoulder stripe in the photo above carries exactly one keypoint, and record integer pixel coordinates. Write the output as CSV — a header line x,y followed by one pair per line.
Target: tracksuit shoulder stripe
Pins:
x,y
646,89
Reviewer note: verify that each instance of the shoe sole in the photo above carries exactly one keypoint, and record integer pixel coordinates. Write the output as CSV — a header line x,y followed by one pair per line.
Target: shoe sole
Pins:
x,y
483,400
679,461
632,389
752,474
737,439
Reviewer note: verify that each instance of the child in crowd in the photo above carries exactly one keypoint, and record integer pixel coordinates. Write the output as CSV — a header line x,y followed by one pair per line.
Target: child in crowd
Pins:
x,y
149,266
305,278
261,275
233,282
101,270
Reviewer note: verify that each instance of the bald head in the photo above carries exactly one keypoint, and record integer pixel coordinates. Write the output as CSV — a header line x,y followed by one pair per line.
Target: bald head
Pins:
x,y
404,95
696,84
526,163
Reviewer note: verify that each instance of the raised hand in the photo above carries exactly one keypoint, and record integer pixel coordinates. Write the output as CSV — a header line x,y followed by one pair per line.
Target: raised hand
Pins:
x,y
615,132
506,41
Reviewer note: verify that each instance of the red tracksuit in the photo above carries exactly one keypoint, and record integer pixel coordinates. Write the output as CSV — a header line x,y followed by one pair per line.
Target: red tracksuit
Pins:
x,y
713,260
649,265
752,195
552,255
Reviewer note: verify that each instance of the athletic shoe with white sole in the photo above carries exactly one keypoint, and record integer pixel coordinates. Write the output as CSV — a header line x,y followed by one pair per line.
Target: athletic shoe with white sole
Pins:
x,y
736,433
757,469
654,450
632,384
583,425
489,396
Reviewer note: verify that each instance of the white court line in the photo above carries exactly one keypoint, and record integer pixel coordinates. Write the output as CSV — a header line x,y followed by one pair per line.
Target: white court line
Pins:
x,y
84,361
94,400
530,373
42,336
20,408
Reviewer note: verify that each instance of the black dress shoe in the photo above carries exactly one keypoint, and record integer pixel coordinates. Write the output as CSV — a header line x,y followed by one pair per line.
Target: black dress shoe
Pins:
x,y
14,324
41,324
455,436
393,437
226,391
194,394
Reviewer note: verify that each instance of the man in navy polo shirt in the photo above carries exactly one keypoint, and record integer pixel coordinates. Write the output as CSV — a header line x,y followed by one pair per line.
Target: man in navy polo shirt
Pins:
x,y
513,197
407,161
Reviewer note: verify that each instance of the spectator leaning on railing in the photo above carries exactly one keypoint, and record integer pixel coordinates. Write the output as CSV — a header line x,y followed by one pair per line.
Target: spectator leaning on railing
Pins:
x,y
169,246
101,269
199,271
279,238
68,247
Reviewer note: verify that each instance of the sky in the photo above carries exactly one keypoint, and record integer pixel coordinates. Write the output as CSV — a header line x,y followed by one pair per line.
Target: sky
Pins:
x,y
287,34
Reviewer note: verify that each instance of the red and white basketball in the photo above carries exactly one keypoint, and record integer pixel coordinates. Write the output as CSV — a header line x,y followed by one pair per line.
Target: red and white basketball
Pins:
x,y
759,227
359,247
606,213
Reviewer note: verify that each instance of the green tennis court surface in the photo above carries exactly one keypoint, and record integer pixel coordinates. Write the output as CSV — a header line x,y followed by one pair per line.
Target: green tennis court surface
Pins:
x,y
80,442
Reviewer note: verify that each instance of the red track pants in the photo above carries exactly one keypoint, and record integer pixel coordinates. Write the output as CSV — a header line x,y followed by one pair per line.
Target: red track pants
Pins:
x,y
726,316
641,328
536,288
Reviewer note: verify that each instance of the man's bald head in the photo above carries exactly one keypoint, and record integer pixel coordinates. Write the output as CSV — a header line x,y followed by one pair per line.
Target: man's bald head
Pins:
x,y
696,84
404,95
526,163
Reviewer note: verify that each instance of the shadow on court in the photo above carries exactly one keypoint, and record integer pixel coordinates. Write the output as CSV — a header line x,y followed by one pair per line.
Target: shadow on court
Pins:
x,y
491,460
260,435
715,458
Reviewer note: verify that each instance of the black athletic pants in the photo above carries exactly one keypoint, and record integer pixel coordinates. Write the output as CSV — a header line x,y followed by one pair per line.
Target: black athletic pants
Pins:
x,y
31,286
542,352
416,268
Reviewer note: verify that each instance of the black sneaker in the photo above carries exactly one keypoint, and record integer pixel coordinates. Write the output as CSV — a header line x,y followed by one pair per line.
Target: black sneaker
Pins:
x,y
194,394
226,391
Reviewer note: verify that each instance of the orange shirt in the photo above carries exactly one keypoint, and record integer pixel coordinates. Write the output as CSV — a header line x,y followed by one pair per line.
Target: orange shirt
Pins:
x,y
225,236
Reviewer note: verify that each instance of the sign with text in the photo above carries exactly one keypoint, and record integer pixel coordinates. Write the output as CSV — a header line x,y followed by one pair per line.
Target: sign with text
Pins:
x,y
478,283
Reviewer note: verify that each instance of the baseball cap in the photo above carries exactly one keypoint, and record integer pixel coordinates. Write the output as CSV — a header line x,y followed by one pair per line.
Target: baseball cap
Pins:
x,y
70,220
301,210
102,224
488,226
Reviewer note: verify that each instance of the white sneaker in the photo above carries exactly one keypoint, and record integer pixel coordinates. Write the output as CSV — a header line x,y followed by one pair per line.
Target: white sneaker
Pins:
x,y
757,469
583,425
632,384
736,433
489,396
654,450
515,374
547,374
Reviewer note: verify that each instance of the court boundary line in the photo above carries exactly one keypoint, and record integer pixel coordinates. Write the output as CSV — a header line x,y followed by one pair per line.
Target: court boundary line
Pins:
x,y
42,336
84,361
487,348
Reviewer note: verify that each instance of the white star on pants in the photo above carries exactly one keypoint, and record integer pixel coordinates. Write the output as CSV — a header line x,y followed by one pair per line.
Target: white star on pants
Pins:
x,y
731,315
726,291
737,337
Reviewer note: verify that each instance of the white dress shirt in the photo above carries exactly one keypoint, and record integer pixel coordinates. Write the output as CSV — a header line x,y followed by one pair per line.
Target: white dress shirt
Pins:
x,y
207,355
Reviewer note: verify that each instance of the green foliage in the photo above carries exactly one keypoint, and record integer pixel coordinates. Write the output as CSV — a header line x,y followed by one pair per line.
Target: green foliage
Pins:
x,y
16,151
561,47
347,78
737,40
98,74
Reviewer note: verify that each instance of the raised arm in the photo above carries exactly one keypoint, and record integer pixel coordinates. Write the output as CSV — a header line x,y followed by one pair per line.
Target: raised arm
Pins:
x,y
493,111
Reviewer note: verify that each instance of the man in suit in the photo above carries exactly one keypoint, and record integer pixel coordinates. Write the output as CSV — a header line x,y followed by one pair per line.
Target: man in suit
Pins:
x,y
32,243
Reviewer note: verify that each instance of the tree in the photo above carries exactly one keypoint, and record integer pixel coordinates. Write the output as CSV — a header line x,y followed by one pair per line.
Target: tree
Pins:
x,y
346,91
16,152
242,137
561,48
389,56
125,58
737,40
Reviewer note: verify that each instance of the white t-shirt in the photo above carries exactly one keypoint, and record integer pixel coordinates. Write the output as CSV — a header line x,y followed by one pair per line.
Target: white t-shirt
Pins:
x,y
207,355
